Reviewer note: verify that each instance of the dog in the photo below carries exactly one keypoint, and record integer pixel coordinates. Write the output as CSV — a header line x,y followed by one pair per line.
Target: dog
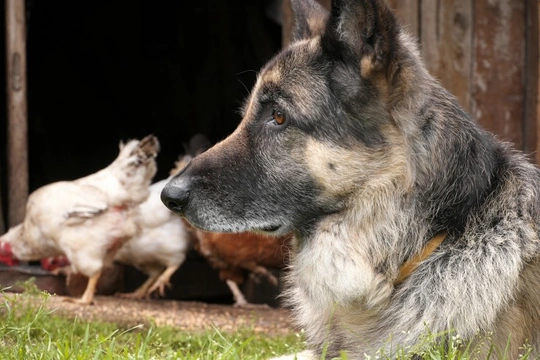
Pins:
x,y
407,215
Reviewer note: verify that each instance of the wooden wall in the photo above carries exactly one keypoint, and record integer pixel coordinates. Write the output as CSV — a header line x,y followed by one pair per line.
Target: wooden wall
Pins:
x,y
486,53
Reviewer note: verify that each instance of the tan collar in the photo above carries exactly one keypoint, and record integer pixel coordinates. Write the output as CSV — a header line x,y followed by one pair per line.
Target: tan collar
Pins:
x,y
410,265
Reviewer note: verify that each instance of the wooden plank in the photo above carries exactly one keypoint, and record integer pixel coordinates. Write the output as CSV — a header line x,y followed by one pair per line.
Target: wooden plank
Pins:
x,y
447,43
531,81
534,96
407,12
2,223
17,148
499,99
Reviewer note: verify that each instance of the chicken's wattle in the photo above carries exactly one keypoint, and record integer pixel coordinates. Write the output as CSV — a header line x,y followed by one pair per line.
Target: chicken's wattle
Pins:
x,y
53,263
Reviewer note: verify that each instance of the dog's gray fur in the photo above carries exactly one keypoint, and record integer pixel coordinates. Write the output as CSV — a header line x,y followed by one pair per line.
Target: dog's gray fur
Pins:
x,y
374,159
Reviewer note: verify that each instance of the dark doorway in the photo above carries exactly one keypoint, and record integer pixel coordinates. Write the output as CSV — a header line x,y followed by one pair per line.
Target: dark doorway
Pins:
x,y
105,71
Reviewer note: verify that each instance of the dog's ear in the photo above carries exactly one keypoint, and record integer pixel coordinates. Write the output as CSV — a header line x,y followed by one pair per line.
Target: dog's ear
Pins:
x,y
309,18
367,28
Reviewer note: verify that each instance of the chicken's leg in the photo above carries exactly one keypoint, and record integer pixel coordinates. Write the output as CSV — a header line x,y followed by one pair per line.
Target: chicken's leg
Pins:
x,y
257,271
88,296
142,290
163,280
239,299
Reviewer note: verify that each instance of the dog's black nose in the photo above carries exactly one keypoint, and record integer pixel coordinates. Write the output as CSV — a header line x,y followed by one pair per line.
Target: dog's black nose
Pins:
x,y
175,196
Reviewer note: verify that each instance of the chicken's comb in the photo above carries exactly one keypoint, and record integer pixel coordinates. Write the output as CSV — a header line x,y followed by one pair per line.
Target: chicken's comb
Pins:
x,y
6,255
5,249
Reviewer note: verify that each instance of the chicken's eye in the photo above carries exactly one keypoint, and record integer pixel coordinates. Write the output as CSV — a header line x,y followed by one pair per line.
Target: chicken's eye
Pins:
x,y
278,117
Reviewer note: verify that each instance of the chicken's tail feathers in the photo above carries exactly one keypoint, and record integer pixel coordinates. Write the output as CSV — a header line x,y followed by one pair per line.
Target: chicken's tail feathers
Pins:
x,y
180,164
149,145
144,149
198,144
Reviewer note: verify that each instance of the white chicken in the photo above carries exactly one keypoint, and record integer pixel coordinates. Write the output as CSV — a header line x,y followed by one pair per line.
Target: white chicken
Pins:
x,y
160,248
87,219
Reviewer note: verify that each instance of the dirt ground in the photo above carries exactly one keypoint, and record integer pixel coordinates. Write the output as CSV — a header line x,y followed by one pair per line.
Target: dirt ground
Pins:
x,y
184,315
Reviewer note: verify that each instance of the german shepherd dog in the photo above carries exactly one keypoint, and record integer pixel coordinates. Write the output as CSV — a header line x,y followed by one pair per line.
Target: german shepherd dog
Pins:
x,y
407,215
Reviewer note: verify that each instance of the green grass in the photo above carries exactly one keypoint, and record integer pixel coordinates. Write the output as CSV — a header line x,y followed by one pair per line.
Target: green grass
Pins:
x,y
28,330
455,349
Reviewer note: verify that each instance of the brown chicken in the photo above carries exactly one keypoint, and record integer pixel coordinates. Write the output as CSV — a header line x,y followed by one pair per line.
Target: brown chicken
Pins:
x,y
236,254
87,219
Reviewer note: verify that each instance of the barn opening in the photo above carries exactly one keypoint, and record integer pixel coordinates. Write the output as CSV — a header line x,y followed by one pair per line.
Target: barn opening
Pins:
x,y
102,72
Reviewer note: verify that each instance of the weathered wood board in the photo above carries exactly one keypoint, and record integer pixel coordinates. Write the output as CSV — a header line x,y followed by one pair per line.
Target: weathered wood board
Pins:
x,y
498,78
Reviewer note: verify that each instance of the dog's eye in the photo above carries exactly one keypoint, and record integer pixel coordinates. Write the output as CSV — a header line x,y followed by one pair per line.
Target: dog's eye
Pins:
x,y
278,117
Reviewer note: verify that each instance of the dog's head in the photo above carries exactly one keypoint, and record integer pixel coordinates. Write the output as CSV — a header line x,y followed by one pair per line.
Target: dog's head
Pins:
x,y
316,128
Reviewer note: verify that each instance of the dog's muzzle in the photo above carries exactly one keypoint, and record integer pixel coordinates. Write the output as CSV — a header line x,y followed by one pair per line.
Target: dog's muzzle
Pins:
x,y
175,195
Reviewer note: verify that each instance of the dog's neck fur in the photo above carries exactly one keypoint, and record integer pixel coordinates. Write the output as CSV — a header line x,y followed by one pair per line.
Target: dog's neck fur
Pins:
x,y
377,264
352,260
